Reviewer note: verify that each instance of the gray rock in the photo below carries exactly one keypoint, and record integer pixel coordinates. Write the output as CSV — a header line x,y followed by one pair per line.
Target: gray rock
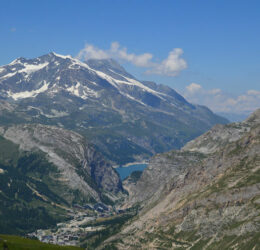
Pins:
x,y
75,158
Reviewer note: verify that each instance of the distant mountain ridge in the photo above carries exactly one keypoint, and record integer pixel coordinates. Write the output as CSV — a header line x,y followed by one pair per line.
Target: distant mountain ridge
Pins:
x,y
126,119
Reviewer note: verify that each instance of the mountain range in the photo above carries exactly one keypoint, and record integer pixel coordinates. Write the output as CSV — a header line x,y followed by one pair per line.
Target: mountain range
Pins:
x,y
64,123
125,119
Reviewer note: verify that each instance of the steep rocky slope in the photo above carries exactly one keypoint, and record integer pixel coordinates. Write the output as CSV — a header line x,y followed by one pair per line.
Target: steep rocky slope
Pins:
x,y
205,196
68,151
44,171
124,118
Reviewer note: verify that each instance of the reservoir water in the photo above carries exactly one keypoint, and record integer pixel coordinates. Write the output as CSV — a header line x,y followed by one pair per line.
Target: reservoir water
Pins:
x,y
126,171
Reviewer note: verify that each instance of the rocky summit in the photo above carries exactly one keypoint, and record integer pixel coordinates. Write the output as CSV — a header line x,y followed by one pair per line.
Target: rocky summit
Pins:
x,y
126,119
204,196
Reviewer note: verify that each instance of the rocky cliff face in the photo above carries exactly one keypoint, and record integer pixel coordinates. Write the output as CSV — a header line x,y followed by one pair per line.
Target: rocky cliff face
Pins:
x,y
205,196
77,161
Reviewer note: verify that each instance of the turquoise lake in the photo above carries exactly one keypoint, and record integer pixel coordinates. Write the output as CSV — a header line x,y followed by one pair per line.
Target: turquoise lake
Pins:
x,y
126,171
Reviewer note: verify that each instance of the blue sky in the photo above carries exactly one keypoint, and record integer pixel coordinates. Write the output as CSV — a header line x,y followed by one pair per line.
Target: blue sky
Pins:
x,y
218,41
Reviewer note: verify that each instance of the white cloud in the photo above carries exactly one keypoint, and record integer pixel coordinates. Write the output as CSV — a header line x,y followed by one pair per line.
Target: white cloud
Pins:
x,y
253,92
193,87
171,66
215,91
142,60
115,51
219,101
114,47
91,51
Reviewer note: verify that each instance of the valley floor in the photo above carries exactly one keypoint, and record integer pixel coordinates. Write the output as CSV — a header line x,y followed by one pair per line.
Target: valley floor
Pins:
x,y
85,223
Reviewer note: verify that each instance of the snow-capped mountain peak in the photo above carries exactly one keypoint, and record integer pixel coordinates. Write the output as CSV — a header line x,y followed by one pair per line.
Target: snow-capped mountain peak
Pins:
x,y
54,72
62,56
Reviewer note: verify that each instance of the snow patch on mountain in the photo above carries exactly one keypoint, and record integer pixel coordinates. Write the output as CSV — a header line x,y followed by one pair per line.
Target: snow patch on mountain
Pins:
x,y
116,83
106,77
30,68
128,81
132,98
82,91
26,94
74,89
7,76
89,92
17,60
62,56
55,114
76,62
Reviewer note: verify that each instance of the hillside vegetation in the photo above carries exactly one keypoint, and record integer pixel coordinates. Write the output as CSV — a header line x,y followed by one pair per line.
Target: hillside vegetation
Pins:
x,y
10,242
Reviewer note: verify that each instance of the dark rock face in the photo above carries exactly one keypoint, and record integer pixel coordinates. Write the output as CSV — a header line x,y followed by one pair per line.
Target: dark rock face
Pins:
x,y
124,118
206,195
